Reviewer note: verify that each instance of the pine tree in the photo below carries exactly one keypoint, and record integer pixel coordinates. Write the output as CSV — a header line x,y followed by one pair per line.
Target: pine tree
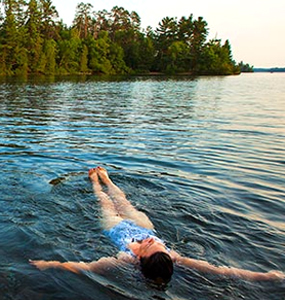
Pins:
x,y
34,39
83,19
84,60
9,38
49,20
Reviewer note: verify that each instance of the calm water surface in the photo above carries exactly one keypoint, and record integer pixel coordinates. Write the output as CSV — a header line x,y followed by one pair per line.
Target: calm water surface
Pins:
x,y
204,158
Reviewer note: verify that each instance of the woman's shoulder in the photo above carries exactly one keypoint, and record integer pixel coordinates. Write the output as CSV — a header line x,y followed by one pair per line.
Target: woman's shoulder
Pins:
x,y
125,257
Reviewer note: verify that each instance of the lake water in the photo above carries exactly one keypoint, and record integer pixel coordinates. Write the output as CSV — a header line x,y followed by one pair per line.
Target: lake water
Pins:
x,y
203,157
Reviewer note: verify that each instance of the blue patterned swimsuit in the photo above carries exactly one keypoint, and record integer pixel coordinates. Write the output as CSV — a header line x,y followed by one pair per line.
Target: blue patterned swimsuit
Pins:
x,y
126,232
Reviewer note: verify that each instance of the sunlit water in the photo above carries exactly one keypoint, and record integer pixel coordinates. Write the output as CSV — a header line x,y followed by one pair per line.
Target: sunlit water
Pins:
x,y
204,158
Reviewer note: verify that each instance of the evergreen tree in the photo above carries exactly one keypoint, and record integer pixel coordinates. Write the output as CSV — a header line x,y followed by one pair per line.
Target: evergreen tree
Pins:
x,y
9,39
69,48
48,57
84,60
49,20
166,34
116,58
83,19
216,59
186,29
178,53
120,20
146,53
245,68
199,36
101,22
34,40
13,53
98,54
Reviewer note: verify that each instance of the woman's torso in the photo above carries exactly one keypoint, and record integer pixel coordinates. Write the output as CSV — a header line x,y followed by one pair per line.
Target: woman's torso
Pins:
x,y
126,232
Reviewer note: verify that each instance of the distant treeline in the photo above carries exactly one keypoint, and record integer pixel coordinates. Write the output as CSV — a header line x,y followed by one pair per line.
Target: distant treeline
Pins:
x,y
33,40
271,70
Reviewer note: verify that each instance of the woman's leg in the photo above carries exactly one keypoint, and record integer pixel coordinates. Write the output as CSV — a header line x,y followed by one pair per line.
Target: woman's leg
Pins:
x,y
110,215
125,209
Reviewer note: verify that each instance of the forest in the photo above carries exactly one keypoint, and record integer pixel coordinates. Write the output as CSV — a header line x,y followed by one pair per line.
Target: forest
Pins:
x,y
34,40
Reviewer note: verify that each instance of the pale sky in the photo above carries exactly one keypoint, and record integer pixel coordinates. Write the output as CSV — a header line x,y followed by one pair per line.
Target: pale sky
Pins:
x,y
255,28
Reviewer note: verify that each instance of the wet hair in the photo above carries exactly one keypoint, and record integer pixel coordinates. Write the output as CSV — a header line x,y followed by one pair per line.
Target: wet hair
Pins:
x,y
158,267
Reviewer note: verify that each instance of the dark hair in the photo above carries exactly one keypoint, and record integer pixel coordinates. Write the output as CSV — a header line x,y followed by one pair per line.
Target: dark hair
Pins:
x,y
157,267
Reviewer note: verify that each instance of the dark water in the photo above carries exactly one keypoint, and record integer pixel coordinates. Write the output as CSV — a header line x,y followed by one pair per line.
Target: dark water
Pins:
x,y
204,158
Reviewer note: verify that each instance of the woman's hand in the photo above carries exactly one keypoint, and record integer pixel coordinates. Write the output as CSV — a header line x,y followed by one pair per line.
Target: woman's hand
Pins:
x,y
276,275
43,265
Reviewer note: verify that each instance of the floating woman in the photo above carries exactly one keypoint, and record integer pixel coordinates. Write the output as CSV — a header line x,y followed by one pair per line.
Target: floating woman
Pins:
x,y
134,235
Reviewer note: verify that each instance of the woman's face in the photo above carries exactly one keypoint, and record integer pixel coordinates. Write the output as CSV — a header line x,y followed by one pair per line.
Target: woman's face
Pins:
x,y
147,247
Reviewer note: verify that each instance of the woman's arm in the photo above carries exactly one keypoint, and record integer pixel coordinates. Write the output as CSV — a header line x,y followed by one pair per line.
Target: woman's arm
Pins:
x,y
99,266
205,267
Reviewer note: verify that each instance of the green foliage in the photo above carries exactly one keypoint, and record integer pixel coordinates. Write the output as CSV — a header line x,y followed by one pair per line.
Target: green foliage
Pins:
x,y
145,54
99,54
47,62
178,53
116,57
34,41
245,68
84,60
216,59
33,38
69,51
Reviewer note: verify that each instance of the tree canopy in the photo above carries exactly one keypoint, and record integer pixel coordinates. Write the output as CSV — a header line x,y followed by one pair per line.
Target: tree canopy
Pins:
x,y
33,40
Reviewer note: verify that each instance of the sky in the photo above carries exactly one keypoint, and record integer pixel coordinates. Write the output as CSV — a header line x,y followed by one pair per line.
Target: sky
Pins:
x,y
255,28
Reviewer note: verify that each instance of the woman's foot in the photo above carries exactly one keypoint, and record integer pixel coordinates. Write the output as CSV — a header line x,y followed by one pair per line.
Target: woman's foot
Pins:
x,y
93,175
103,174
